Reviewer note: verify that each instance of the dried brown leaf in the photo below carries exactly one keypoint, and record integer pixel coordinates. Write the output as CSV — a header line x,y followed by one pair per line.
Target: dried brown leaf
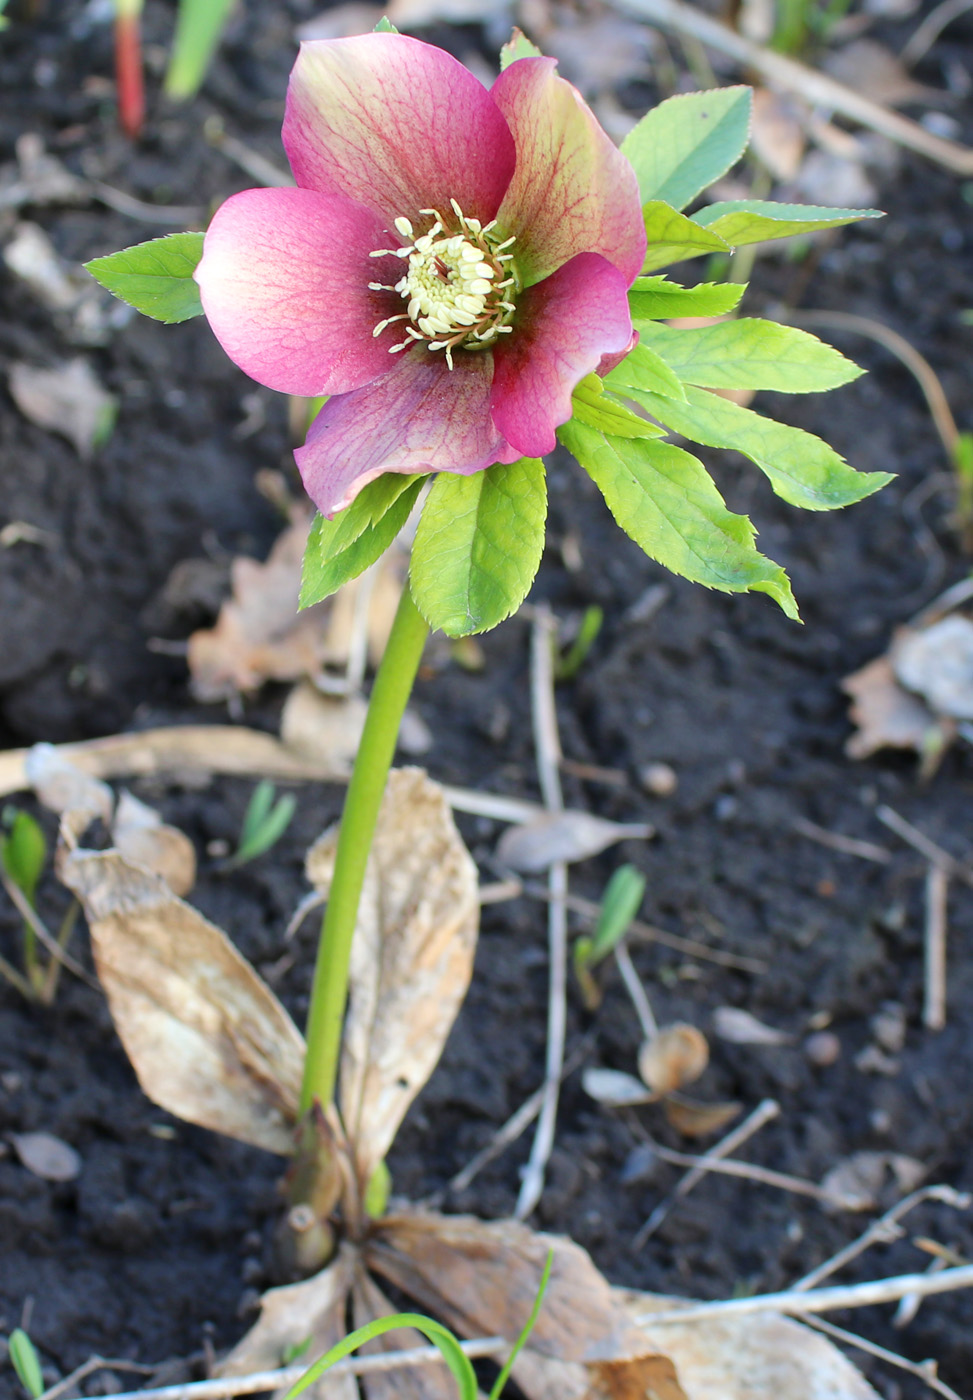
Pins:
x,y
675,1057
69,400
936,663
739,1027
759,1357
886,715
324,728
777,134
694,1119
875,72
563,836
63,788
47,1156
208,1039
142,837
411,959
860,1182
290,1317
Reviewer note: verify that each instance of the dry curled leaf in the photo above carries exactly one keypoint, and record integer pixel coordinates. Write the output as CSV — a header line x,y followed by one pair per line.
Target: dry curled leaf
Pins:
x,y
694,1119
674,1058
411,958
739,1027
860,1181
563,836
69,400
325,728
615,1089
142,837
62,787
47,1156
778,136
207,1038
758,1357
885,715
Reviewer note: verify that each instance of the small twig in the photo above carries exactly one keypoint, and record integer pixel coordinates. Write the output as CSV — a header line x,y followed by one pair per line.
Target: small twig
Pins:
x,y
633,985
170,215
548,746
500,891
88,1368
855,1295
593,772
931,28
847,845
882,1231
590,911
934,996
223,1387
783,1181
765,1112
936,855
251,162
787,75
30,916
925,1370
910,1304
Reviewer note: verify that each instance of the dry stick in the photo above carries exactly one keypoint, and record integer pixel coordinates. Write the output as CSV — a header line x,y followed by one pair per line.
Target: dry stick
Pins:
x,y
88,1368
847,845
633,985
765,1111
799,1185
910,1305
908,355
786,74
882,1231
856,1295
548,746
920,842
934,998
925,1370
223,1387
931,28
30,916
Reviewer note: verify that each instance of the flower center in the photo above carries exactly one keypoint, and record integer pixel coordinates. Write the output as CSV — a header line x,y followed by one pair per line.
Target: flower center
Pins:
x,y
458,286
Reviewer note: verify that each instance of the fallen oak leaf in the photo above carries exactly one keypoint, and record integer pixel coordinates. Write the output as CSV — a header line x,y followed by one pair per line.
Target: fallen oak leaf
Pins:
x,y
886,715
207,1038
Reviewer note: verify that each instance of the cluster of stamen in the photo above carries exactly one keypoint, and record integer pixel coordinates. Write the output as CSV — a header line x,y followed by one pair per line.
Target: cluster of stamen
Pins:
x,y
459,284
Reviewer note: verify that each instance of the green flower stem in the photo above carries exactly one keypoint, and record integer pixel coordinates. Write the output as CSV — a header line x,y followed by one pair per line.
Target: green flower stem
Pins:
x,y
393,686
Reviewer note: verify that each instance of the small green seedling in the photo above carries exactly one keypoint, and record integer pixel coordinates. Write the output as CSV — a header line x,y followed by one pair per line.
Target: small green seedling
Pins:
x,y
199,24
26,1362
264,823
620,903
449,1346
574,658
23,853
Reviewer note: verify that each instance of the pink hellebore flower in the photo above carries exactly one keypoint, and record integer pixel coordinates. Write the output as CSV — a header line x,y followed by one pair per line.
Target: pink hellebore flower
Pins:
x,y
452,262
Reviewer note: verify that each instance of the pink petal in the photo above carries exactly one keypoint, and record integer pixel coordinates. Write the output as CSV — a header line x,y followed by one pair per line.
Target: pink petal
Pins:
x,y
396,124
284,284
420,417
565,326
572,191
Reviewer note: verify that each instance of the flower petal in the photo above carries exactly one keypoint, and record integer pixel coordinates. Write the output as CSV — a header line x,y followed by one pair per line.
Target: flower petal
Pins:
x,y
396,124
565,326
572,191
420,417
284,284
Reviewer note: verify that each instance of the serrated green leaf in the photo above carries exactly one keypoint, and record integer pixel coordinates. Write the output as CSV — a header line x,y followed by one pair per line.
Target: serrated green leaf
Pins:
x,y
683,145
517,46
385,26
748,354
740,221
644,368
199,24
658,299
478,546
26,1362
599,410
674,238
23,852
339,550
802,469
155,277
666,501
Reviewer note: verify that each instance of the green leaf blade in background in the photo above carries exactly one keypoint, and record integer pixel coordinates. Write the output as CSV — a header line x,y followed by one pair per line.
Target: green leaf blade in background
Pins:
x,y
155,277
802,469
517,46
23,853
744,221
339,550
666,501
658,299
673,238
748,354
643,368
199,24
682,146
478,546
26,1362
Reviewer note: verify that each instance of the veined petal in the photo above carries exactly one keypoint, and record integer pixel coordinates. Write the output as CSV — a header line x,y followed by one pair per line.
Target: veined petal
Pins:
x,y
284,283
420,417
572,191
565,326
396,124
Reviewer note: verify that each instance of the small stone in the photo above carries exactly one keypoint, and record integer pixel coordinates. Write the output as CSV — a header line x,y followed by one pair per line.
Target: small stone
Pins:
x,y
658,779
823,1048
889,1026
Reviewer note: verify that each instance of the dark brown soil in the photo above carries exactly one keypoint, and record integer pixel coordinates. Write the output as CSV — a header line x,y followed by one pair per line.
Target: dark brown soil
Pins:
x,y
158,1250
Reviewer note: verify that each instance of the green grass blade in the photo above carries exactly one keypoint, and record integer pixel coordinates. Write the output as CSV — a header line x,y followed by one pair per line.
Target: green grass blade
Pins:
x,y
199,24
450,1349
529,1326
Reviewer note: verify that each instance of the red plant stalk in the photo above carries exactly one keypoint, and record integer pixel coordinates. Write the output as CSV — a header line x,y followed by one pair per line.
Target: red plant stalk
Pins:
x,y
128,68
